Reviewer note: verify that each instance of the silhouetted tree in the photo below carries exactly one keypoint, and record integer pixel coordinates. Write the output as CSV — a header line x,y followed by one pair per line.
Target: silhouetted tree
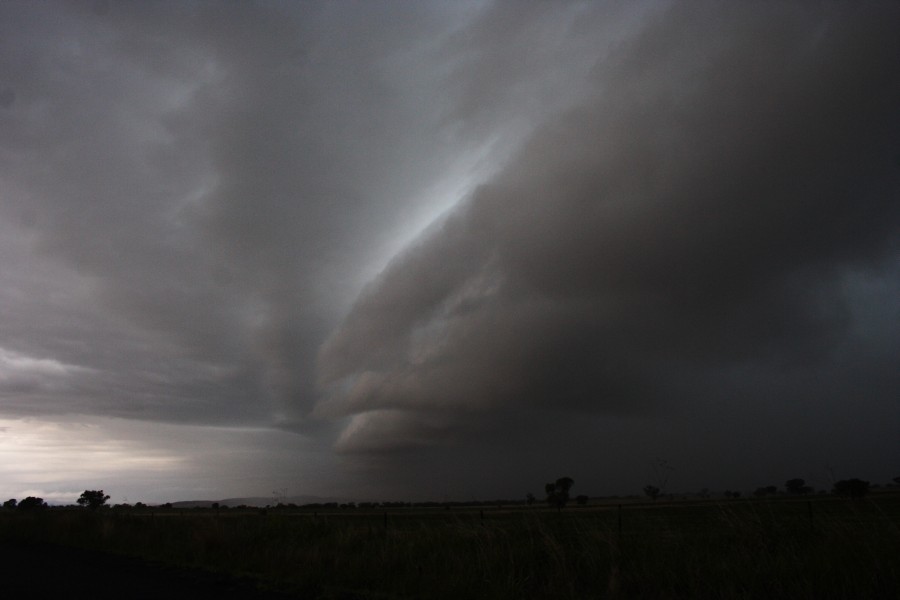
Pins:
x,y
652,492
662,470
529,498
11,503
93,499
854,488
558,493
896,480
797,486
32,503
769,490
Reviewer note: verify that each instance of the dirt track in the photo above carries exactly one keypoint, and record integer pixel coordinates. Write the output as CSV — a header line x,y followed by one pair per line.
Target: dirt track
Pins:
x,y
43,571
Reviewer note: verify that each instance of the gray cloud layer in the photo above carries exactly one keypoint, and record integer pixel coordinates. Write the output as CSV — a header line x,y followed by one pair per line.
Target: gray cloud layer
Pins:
x,y
665,219
217,176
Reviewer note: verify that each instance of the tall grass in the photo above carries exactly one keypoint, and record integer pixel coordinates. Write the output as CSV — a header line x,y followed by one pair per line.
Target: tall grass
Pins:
x,y
829,548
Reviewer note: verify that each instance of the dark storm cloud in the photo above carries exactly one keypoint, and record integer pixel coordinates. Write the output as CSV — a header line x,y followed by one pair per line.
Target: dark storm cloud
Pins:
x,y
622,229
685,235
194,192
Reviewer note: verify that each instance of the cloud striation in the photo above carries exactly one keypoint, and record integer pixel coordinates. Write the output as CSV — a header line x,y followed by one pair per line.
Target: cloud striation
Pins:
x,y
684,231
448,248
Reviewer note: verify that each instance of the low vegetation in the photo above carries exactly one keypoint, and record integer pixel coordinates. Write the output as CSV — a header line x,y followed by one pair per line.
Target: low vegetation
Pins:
x,y
786,547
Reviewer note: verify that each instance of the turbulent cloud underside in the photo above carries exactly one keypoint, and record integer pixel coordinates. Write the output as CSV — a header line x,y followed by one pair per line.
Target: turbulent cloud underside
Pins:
x,y
366,245
691,219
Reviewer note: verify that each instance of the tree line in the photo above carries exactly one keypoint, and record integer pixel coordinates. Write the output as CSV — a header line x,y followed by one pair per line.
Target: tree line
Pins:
x,y
851,488
90,499
557,495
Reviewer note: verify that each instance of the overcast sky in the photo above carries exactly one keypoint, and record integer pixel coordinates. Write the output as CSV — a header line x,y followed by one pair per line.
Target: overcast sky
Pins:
x,y
446,250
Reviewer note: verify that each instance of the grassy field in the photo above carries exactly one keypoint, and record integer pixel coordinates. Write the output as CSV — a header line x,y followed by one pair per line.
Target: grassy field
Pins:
x,y
824,547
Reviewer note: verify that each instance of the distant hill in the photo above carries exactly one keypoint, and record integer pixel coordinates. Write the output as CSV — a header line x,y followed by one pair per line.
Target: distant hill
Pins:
x,y
270,501
193,504
255,501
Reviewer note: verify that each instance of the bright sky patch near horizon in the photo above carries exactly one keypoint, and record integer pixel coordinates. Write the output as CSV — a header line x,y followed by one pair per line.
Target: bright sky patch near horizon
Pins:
x,y
391,250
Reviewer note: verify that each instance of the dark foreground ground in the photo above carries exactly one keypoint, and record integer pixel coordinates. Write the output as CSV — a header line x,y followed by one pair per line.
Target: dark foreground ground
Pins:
x,y
791,548
48,571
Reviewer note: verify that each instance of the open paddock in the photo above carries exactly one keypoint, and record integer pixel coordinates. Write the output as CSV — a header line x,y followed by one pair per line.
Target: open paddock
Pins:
x,y
821,547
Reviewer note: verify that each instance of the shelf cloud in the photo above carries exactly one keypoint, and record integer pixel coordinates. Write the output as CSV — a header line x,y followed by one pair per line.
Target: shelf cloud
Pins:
x,y
410,238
